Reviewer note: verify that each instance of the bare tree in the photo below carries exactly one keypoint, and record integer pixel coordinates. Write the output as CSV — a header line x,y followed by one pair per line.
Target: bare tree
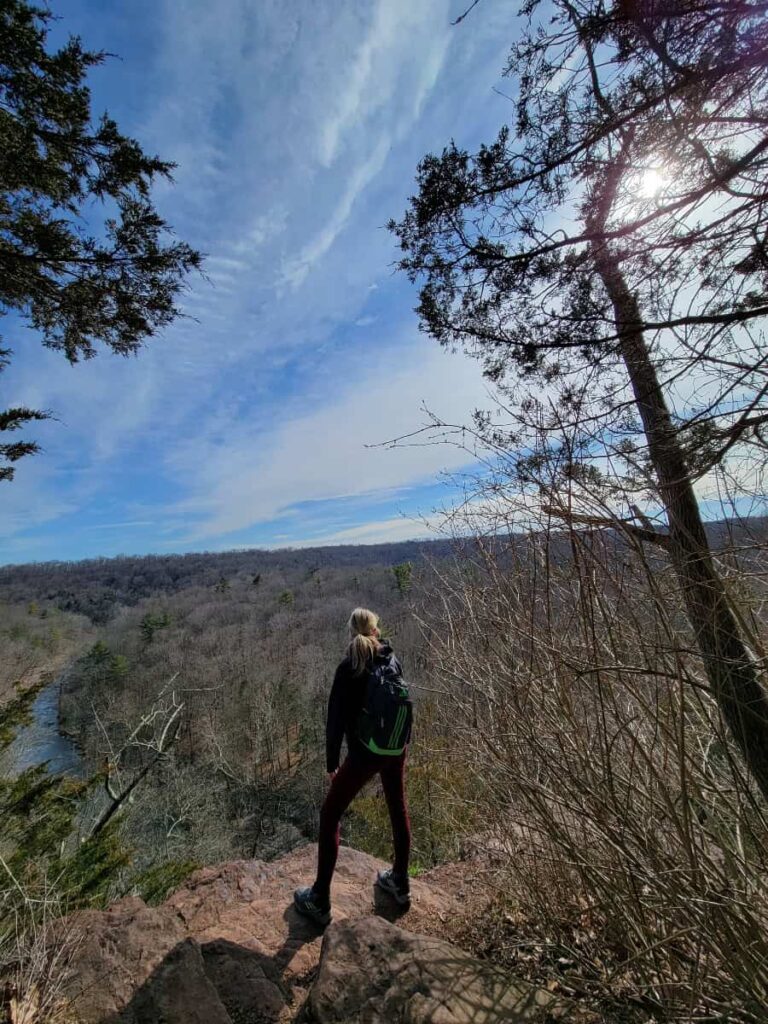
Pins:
x,y
144,747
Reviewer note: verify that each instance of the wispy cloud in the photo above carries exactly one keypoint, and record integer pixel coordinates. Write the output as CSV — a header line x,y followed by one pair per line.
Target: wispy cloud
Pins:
x,y
298,267
296,129
371,78
123,526
379,531
242,478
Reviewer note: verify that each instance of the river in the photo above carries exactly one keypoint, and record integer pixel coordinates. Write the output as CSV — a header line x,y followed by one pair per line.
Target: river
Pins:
x,y
42,741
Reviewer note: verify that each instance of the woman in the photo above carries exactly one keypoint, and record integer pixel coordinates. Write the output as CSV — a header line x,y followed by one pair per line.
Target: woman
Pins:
x,y
366,651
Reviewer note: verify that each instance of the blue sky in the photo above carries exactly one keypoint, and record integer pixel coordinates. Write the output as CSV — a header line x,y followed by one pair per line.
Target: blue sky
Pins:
x,y
297,127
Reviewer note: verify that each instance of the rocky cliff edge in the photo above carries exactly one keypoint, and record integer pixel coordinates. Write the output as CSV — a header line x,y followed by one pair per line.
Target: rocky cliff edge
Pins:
x,y
228,948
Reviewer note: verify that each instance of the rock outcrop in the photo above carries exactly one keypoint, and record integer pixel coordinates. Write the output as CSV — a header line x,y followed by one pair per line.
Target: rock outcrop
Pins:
x,y
228,948
373,971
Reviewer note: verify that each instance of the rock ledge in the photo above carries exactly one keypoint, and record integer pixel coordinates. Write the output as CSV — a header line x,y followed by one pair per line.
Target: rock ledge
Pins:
x,y
228,948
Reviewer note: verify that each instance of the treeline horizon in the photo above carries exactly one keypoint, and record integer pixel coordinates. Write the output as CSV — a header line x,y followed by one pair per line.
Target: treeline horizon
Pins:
x,y
97,586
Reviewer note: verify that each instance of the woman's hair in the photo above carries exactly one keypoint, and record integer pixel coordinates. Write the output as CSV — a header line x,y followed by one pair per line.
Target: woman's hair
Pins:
x,y
364,638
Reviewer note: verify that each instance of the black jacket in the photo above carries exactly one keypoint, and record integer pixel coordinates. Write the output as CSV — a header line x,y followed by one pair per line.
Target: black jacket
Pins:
x,y
345,705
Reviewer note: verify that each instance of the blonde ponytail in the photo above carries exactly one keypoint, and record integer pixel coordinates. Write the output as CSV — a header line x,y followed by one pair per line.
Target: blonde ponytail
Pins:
x,y
364,638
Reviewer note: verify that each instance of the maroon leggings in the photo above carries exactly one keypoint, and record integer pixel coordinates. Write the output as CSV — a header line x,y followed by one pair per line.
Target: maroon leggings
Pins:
x,y
347,783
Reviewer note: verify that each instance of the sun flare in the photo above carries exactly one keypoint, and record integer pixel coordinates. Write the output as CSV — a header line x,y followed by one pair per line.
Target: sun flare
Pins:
x,y
652,181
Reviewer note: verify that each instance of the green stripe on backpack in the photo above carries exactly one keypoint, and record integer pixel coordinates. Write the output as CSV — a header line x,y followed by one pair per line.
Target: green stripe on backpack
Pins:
x,y
384,726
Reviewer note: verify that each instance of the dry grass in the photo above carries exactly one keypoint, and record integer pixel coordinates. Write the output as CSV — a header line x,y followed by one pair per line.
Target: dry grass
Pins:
x,y
633,842
37,945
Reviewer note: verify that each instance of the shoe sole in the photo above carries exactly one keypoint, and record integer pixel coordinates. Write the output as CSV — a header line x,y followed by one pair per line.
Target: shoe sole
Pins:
x,y
402,901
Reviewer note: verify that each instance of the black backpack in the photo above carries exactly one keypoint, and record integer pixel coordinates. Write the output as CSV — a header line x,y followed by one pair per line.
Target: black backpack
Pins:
x,y
384,725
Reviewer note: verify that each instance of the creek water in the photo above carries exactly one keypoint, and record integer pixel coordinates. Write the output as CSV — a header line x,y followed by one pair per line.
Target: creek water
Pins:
x,y
41,740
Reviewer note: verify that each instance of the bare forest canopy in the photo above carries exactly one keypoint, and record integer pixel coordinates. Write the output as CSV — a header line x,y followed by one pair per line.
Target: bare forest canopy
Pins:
x,y
247,642
97,587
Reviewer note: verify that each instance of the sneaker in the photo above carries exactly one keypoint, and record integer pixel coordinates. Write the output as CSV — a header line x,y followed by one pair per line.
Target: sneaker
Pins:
x,y
397,887
309,904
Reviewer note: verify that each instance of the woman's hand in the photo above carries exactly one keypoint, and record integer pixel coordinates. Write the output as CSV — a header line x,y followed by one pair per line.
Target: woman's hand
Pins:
x,y
332,775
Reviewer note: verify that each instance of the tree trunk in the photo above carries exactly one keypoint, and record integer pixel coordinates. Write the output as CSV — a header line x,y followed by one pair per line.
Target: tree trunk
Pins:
x,y
728,661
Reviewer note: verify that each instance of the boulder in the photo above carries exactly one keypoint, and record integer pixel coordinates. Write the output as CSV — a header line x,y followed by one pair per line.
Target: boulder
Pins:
x,y
373,971
178,992
115,952
248,983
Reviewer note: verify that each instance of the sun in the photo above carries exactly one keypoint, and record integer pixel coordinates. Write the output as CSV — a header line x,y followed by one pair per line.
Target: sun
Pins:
x,y
652,181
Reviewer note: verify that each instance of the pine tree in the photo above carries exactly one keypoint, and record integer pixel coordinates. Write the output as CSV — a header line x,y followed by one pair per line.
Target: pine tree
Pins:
x,y
403,577
115,283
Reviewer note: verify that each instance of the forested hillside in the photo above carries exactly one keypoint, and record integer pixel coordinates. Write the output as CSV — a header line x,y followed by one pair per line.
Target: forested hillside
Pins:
x,y
249,661
37,641
237,652
96,586
559,704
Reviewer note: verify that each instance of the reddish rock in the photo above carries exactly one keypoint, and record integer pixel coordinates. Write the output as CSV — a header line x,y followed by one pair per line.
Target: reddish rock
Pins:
x,y
249,955
248,983
373,971
177,992
117,952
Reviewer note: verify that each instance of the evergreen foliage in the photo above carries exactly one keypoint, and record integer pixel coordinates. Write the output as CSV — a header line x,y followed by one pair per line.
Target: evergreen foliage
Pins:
x,y
161,879
115,283
151,623
56,855
403,577
40,848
